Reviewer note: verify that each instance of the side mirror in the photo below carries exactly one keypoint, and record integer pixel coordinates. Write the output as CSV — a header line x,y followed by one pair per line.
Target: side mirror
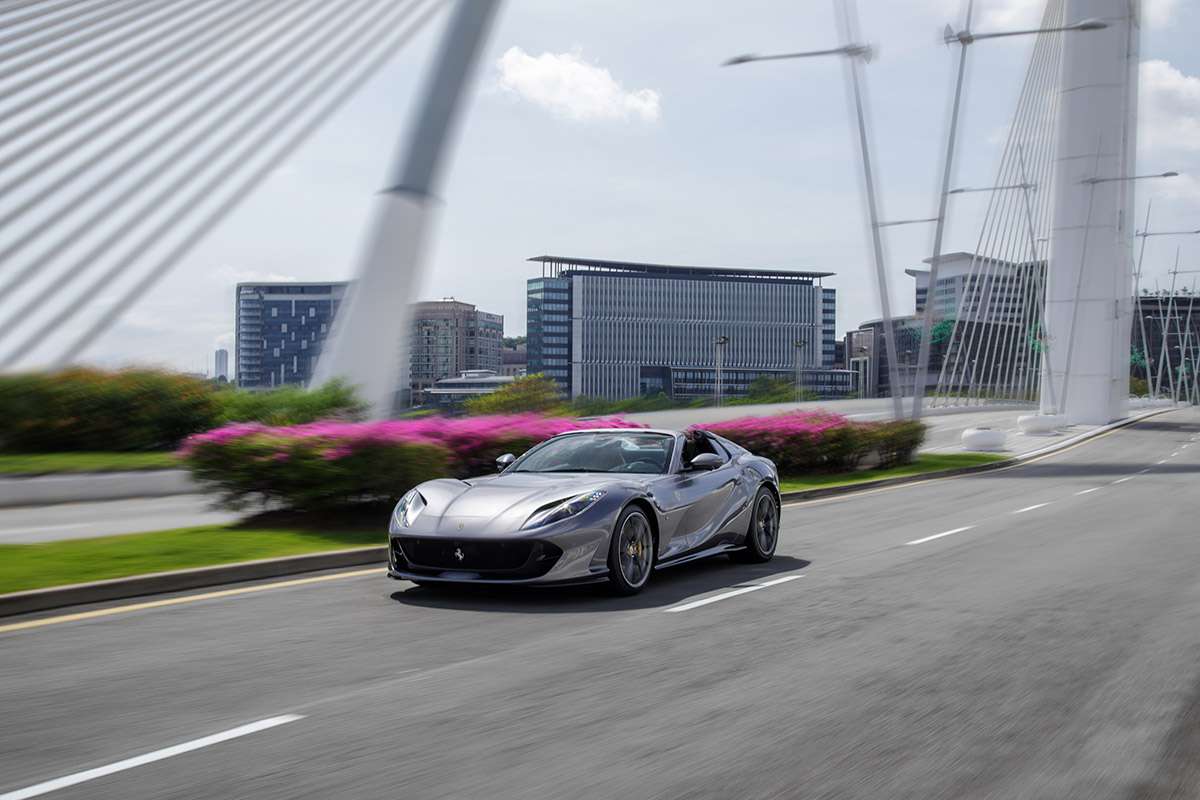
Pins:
x,y
706,461
503,461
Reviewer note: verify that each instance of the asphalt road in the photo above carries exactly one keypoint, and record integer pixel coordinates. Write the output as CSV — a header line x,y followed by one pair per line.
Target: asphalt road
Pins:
x,y
1046,646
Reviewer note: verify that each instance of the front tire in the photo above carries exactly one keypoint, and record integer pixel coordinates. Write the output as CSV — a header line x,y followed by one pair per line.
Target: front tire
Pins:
x,y
763,535
630,552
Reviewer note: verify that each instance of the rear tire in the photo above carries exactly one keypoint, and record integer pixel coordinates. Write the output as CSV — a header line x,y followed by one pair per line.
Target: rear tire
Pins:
x,y
630,552
762,536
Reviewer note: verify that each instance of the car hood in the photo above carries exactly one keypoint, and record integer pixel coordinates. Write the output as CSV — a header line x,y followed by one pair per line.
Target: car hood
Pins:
x,y
500,505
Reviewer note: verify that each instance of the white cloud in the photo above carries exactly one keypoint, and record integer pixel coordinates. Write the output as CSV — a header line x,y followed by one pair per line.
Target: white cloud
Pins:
x,y
1168,109
1158,13
228,275
567,86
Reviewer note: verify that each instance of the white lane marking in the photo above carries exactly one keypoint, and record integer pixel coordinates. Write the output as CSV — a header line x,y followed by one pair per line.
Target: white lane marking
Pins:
x,y
1114,483
1162,462
1030,508
148,758
940,535
715,598
1088,491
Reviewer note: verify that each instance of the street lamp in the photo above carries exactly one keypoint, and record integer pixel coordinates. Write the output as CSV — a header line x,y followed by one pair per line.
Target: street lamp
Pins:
x,y
905,222
1131,178
799,344
856,54
863,51
964,38
968,190
719,359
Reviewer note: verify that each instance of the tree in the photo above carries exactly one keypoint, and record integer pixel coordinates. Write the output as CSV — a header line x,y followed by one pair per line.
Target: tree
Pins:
x,y
942,331
513,342
528,393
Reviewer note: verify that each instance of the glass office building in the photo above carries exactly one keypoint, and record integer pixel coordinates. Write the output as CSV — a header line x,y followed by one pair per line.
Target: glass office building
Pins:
x,y
280,328
614,329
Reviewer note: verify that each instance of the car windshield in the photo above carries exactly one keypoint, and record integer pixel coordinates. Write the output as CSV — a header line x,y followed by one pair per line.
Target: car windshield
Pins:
x,y
646,453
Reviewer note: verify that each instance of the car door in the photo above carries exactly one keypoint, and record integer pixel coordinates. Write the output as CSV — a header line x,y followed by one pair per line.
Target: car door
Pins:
x,y
693,501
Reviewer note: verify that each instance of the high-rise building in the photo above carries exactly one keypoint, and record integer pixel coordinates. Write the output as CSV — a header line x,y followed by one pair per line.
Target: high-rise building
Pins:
x,y
449,338
614,329
280,328
221,364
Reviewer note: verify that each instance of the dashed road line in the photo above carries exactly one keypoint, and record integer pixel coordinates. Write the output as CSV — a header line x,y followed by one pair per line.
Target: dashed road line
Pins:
x,y
1088,491
940,535
1034,507
725,596
148,758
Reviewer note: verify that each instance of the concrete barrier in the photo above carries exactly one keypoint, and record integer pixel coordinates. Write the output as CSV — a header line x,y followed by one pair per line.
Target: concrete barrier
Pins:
x,y
40,490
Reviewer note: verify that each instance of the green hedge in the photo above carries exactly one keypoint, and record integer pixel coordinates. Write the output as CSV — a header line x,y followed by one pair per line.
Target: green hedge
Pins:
x,y
93,410
303,473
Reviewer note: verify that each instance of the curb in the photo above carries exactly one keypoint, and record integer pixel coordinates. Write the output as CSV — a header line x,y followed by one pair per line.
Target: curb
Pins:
x,y
832,491
180,580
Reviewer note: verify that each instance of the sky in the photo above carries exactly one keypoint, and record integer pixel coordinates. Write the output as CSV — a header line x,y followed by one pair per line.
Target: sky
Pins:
x,y
608,129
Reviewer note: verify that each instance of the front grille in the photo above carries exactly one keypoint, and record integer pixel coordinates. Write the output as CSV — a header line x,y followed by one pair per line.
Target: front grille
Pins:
x,y
493,558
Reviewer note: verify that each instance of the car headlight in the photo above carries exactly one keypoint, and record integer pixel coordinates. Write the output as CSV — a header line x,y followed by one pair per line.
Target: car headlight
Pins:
x,y
561,510
408,509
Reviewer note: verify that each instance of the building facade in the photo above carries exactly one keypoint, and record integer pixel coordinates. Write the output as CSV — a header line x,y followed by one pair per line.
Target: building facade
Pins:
x,y
281,327
1174,321
279,330
514,361
221,364
613,330
449,338
453,392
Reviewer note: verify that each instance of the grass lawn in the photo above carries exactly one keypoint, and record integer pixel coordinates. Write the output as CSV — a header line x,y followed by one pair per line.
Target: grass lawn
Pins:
x,y
48,463
931,463
35,566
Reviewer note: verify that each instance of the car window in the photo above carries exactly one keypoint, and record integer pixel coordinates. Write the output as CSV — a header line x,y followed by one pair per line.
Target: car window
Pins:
x,y
697,442
641,453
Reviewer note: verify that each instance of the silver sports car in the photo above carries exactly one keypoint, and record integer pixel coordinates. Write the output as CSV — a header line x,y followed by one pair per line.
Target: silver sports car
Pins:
x,y
590,505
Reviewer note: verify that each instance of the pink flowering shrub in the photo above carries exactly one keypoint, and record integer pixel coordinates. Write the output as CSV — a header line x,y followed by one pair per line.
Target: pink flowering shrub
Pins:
x,y
335,463
819,441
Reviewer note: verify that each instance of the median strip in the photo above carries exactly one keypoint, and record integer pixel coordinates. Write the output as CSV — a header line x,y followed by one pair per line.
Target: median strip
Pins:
x,y
149,758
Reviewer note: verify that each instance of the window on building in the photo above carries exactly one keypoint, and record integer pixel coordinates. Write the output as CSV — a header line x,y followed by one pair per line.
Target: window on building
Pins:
x,y
274,312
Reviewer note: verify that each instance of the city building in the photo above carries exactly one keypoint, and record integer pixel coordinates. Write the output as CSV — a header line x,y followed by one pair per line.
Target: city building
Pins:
x,y
221,364
450,392
514,361
867,350
976,300
983,290
280,328
449,339
1175,320
615,329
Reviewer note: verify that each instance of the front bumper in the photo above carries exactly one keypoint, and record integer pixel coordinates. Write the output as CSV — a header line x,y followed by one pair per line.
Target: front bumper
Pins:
x,y
568,557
